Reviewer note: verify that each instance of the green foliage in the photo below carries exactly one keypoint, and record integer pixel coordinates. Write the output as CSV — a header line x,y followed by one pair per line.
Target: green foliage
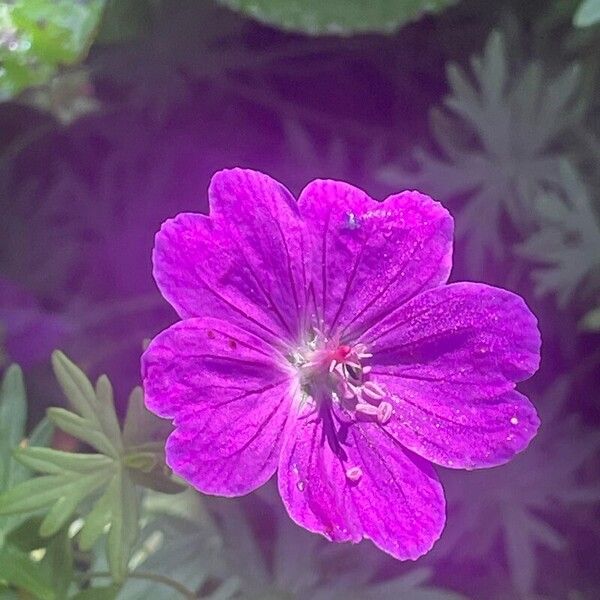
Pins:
x,y
37,37
106,478
587,14
518,503
499,145
302,565
19,570
566,244
46,578
340,17
13,412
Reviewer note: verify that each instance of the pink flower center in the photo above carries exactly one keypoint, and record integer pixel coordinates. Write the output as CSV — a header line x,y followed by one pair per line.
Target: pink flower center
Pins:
x,y
339,373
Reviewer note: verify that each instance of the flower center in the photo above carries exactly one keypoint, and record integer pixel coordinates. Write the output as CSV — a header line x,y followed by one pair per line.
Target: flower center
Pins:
x,y
339,373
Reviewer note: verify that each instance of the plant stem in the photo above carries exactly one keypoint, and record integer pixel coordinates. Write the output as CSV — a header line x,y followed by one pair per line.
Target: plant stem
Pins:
x,y
184,591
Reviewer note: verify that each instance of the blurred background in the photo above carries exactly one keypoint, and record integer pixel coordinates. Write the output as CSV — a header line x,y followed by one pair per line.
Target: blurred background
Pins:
x,y
113,116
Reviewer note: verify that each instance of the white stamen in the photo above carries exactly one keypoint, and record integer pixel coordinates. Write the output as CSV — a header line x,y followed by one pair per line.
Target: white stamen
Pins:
x,y
384,412
373,390
332,365
348,390
354,473
366,409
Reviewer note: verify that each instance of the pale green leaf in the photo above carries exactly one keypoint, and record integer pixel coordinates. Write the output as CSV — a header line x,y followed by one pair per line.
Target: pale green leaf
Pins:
x,y
587,14
124,526
48,460
98,518
105,408
144,436
76,387
82,429
65,506
340,17
41,492
13,410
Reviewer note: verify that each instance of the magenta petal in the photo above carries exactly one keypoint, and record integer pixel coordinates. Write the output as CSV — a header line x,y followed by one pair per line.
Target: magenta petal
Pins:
x,y
370,256
449,360
228,393
393,498
244,263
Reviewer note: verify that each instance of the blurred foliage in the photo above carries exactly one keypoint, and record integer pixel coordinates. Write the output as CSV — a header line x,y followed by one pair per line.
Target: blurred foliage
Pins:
x,y
567,241
39,36
490,107
518,501
499,144
587,14
339,17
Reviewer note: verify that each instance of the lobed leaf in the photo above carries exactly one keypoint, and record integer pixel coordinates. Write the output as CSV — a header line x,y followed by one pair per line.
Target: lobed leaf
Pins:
x,y
82,429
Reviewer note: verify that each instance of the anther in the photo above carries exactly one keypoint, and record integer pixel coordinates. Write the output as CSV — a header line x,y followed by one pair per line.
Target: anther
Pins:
x,y
354,473
384,412
367,409
372,390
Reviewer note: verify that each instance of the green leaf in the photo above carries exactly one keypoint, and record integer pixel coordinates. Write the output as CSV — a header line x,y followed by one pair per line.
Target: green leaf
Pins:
x,y
51,461
340,17
82,429
124,526
98,421
39,36
109,592
68,479
19,570
144,436
105,408
27,536
587,14
13,410
41,492
58,563
76,386
125,20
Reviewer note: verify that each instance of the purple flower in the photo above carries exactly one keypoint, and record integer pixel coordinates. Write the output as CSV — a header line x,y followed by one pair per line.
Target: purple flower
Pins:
x,y
318,339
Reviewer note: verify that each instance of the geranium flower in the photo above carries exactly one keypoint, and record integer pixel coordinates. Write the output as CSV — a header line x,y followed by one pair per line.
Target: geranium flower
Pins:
x,y
318,339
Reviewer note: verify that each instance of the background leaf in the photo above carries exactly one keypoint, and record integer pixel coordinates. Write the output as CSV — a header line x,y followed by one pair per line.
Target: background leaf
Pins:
x,y
340,17
38,36
587,14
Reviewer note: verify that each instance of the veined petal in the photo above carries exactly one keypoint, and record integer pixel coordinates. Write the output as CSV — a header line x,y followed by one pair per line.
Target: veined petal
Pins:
x,y
228,393
359,483
449,360
368,256
244,263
